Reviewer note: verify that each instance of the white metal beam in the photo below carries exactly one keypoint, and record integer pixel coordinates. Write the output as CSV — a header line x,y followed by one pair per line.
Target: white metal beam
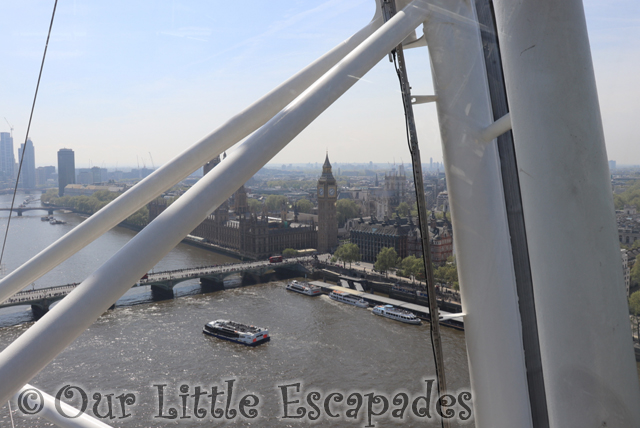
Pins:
x,y
496,129
590,374
35,348
423,99
480,227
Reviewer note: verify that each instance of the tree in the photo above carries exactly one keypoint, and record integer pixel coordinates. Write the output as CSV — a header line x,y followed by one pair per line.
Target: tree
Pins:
x,y
274,202
290,252
414,210
255,206
139,218
634,306
348,253
346,209
448,274
631,196
387,258
618,202
403,209
304,206
635,271
412,267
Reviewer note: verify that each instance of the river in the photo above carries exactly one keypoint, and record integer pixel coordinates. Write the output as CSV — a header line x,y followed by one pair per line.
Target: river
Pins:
x,y
148,349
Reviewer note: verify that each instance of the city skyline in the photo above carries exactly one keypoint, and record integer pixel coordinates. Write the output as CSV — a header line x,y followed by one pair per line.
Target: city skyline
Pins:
x,y
136,92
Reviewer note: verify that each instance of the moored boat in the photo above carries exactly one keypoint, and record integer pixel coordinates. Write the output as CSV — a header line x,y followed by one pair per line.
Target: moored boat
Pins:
x,y
389,311
349,299
304,288
248,335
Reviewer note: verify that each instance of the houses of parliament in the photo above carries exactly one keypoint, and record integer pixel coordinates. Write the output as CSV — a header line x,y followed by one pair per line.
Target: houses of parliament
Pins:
x,y
257,236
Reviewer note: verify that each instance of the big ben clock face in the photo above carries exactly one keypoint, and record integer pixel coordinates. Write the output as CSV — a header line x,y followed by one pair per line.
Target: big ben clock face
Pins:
x,y
332,191
321,191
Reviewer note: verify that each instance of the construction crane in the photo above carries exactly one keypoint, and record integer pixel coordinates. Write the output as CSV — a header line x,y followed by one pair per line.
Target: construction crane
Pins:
x,y
152,165
10,127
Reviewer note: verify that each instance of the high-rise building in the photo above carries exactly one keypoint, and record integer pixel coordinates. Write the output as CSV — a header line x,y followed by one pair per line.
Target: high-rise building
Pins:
x,y
44,174
96,175
66,169
7,159
327,217
28,169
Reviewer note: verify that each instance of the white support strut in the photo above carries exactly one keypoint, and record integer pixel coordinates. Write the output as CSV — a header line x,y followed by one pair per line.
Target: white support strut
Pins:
x,y
423,99
496,129
590,374
234,130
35,348
480,227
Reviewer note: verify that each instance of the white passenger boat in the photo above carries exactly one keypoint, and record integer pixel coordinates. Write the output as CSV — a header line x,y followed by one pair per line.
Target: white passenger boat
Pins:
x,y
304,288
349,299
396,314
248,335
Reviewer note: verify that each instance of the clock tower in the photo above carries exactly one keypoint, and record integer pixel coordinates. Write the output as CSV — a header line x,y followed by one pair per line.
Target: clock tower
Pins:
x,y
327,218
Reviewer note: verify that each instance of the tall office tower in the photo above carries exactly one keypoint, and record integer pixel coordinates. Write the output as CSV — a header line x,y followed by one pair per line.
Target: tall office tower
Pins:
x,y
96,175
66,169
28,170
7,160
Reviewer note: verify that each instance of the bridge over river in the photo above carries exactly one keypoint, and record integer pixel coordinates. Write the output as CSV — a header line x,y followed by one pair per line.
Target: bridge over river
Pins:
x,y
20,210
212,278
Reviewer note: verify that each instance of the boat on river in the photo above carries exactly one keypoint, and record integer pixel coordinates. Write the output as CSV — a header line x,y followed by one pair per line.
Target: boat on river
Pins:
x,y
389,311
304,288
349,299
232,331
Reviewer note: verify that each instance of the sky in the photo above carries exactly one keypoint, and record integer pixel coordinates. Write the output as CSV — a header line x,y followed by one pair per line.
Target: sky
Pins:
x,y
135,83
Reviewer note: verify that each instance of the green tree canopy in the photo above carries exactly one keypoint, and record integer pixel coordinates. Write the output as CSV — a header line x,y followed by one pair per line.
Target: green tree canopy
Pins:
x,y
95,202
631,196
346,209
635,271
255,206
274,202
304,206
289,252
414,210
634,307
387,258
348,253
412,266
403,209
448,274
139,218
634,303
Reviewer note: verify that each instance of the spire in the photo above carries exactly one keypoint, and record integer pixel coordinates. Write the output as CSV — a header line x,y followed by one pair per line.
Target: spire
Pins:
x,y
327,165
326,170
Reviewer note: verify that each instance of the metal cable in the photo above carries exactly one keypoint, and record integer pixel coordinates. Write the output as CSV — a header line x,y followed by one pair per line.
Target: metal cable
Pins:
x,y
431,324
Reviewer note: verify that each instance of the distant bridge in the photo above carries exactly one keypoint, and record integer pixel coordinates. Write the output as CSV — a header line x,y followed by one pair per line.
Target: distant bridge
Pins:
x,y
162,283
20,210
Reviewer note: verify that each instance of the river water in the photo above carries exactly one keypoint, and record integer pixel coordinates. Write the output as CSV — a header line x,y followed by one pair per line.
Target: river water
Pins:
x,y
318,346
153,349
